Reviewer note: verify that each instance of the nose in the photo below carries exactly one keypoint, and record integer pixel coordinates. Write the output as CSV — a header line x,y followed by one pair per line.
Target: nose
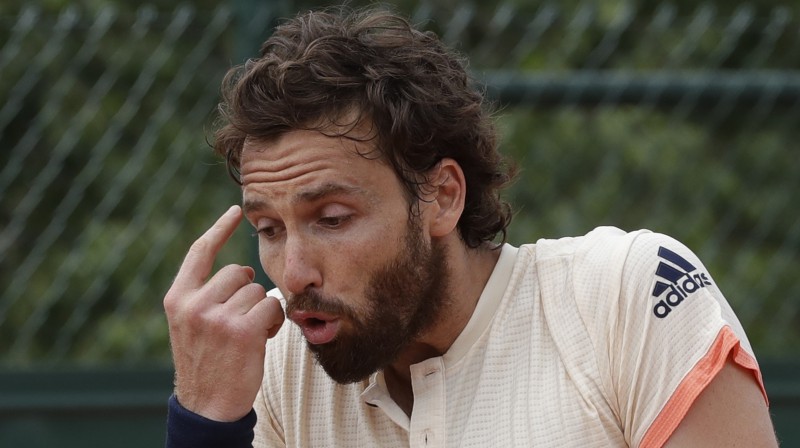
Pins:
x,y
300,270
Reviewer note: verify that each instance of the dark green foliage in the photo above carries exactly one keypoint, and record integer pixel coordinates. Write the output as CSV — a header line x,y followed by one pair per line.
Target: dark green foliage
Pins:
x,y
106,176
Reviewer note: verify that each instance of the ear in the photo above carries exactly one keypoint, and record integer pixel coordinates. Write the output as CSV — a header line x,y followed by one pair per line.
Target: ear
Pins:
x,y
447,190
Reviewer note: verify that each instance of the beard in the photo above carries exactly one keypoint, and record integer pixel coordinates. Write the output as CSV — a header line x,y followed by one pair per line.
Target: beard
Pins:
x,y
404,297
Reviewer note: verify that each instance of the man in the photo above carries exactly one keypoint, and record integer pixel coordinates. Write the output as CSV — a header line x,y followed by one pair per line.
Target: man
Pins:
x,y
369,169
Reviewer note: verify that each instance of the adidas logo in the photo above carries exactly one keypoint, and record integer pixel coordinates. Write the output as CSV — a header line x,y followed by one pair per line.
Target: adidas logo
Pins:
x,y
681,281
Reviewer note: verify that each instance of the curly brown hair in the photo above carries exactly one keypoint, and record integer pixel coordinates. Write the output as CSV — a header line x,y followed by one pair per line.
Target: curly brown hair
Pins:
x,y
414,93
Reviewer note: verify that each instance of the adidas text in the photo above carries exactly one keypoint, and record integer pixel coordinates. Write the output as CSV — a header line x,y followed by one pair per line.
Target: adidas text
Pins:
x,y
682,280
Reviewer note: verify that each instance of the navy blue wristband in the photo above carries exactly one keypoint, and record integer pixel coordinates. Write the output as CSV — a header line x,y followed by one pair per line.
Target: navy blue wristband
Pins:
x,y
185,429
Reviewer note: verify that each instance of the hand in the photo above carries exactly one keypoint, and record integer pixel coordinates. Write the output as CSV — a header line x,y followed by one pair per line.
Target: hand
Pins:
x,y
219,328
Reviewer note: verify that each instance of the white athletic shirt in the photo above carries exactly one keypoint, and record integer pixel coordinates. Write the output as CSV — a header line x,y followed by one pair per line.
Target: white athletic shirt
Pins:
x,y
600,340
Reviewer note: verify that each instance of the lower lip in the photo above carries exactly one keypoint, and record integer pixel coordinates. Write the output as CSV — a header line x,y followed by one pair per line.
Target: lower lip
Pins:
x,y
321,333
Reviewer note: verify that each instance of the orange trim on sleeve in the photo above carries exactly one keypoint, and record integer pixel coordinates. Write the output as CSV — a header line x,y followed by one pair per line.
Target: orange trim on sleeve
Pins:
x,y
726,343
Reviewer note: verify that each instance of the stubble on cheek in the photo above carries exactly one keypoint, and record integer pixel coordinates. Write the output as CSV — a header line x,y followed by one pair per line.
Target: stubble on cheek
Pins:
x,y
404,298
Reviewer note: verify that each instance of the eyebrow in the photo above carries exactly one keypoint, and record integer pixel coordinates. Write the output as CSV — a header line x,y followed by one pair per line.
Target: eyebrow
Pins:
x,y
327,189
310,195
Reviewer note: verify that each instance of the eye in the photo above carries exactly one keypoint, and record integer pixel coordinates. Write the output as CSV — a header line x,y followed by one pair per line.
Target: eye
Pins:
x,y
268,229
333,221
268,232
334,215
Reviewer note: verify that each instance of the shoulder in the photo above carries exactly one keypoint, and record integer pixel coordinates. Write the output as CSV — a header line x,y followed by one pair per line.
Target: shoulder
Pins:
x,y
577,281
600,253
612,284
612,252
595,246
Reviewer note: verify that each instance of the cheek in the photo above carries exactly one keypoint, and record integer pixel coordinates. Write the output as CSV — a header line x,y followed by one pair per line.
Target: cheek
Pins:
x,y
271,262
350,268
345,261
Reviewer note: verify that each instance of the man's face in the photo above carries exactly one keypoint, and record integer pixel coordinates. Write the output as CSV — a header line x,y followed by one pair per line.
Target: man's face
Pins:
x,y
361,279
403,297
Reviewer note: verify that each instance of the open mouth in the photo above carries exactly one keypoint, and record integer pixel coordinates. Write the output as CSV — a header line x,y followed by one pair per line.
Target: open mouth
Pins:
x,y
318,328
313,322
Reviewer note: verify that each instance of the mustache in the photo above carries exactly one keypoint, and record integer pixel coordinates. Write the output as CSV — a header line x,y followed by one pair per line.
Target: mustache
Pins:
x,y
314,301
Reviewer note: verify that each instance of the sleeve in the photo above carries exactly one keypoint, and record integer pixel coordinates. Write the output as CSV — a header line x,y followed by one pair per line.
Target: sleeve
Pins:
x,y
186,429
671,332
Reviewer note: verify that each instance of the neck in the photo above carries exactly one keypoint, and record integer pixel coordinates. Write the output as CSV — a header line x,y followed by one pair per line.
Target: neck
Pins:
x,y
470,270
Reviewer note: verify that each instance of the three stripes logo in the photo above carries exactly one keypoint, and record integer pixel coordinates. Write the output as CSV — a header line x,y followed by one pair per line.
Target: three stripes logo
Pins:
x,y
681,280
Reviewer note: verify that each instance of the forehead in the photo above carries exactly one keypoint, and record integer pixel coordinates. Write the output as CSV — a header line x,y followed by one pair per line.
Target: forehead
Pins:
x,y
305,149
302,161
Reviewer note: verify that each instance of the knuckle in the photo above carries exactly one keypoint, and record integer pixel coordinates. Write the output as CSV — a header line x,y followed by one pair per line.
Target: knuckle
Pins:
x,y
233,272
275,305
237,274
172,302
169,304
217,322
215,325
255,289
195,317
272,311
227,327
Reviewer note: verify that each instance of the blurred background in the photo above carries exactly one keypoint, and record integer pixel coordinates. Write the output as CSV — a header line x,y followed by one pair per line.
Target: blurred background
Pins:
x,y
681,117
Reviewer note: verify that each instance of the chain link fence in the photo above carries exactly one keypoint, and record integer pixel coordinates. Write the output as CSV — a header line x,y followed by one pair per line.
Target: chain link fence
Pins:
x,y
681,120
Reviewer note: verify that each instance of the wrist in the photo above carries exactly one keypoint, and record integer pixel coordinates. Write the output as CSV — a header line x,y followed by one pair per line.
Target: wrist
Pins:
x,y
215,410
186,428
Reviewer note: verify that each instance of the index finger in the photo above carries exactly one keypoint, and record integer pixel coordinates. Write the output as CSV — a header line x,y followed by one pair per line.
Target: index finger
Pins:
x,y
199,260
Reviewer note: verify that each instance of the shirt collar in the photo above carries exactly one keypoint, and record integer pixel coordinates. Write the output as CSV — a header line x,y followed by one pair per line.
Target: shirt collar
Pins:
x,y
376,394
486,306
